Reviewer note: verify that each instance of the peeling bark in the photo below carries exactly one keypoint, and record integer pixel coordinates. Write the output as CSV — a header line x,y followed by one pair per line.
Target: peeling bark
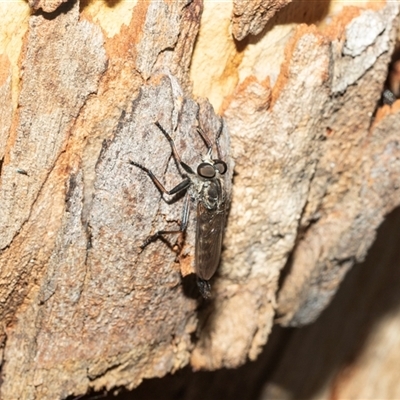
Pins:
x,y
250,17
346,206
48,6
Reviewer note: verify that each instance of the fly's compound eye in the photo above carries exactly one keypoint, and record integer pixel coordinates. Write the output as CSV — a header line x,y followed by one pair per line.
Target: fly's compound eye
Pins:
x,y
220,166
206,170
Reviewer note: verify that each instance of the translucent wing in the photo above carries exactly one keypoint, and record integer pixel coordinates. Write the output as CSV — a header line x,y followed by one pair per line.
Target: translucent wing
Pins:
x,y
209,232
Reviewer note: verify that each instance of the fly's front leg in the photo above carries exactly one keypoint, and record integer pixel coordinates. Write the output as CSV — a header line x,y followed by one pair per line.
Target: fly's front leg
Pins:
x,y
206,139
174,151
219,152
208,142
181,230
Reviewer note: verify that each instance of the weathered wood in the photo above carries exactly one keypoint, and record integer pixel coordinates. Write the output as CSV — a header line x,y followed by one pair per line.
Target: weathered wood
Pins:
x,y
316,161
250,17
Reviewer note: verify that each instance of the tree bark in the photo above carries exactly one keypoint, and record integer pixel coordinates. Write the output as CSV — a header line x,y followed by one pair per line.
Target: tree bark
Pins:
x,y
351,351
315,156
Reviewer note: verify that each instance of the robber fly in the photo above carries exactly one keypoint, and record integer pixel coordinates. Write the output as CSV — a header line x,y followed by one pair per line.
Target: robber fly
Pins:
x,y
206,188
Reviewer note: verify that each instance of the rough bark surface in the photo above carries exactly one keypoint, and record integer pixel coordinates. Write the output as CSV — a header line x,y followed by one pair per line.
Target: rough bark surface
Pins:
x,y
47,6
82,305
250,17
351,190
350,352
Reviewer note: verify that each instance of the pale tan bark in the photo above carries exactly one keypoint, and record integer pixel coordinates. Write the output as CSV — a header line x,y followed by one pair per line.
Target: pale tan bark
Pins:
x,y
316,167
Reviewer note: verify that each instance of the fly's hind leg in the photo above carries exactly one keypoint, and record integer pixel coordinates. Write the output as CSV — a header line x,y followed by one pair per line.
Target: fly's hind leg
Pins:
x,y
180,231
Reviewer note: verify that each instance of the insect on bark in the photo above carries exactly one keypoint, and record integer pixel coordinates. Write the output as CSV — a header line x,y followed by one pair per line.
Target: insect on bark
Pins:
x,y
205,186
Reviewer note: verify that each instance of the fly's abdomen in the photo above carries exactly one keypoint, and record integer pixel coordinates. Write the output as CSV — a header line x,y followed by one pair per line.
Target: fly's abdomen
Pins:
x,y
209,233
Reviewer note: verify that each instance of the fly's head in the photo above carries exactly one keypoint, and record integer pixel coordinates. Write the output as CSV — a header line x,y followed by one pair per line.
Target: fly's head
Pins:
x,y
211,172
210,168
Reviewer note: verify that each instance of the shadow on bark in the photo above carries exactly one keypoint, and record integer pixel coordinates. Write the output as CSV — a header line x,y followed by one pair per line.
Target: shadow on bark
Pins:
x,y
297,363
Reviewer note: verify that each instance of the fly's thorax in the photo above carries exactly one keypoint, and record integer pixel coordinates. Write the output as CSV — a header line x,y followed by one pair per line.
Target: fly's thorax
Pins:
x,y
209,191
211,194
207,183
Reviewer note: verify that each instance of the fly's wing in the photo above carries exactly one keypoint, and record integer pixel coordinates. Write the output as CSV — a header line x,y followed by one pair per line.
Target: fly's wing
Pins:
x,y
209,232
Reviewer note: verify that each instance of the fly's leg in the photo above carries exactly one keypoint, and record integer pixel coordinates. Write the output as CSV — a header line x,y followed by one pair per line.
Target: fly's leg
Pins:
x,y
174,151
206,139
181,230
217,139
178,188
208,142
